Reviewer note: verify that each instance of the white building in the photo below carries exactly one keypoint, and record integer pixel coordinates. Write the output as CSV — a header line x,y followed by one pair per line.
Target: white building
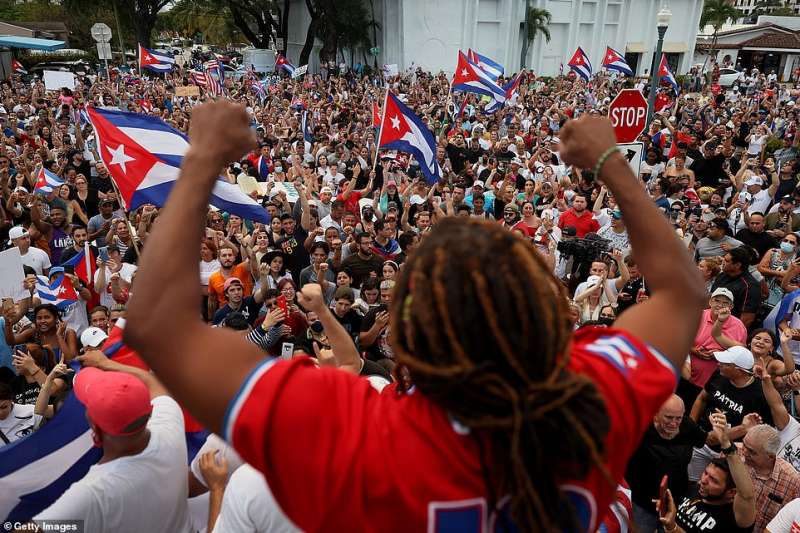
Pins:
x,y
429,33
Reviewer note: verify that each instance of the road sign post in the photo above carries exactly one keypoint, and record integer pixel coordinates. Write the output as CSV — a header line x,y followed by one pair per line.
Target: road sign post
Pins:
x,y
628,115
102,34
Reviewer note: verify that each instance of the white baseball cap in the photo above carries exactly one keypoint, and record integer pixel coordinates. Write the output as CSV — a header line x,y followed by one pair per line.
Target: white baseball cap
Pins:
x,y
737,355
754,180
416,200
722,291
17,232
93,337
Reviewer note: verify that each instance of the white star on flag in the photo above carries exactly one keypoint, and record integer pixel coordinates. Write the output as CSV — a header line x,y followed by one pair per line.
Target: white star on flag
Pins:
x,y
464,72
395,122
62,290
119,157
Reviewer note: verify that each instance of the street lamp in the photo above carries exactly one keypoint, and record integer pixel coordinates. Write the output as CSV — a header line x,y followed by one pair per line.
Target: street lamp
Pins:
x,y
662,23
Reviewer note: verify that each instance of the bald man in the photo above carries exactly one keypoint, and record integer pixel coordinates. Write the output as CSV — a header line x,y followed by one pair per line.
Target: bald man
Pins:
x,y
666,449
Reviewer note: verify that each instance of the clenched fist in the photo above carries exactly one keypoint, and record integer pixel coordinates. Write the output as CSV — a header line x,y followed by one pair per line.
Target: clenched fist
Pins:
x,y
221,130
583,141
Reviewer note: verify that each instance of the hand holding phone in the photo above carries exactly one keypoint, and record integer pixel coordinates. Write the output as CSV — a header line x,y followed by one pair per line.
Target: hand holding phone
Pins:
x,y
282,304
663,500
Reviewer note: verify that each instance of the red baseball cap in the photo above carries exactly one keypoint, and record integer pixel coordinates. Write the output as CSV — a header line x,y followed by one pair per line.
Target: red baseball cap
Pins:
x,y
113,400
230,281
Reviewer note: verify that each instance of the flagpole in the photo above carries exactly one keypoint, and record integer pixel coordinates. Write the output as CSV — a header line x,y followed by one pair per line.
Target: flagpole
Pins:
x,y
88,261
127,220
380,130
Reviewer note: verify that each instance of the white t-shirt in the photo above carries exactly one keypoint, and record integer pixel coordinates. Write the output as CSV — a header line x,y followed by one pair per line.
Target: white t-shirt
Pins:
x,y
760,202
36,259
611,288
790,443
787,520
143,492
206,269
249,506
126,272
19,423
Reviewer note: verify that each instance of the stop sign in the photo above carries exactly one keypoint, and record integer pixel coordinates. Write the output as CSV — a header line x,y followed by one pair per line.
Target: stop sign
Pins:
x,y
628,114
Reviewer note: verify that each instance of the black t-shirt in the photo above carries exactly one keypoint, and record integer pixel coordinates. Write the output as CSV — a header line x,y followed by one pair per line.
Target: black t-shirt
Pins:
x,y
249,308
380,348
709,171
24,392
735,402
351,322
371,368
696,516
746,292
656,457
297,257
457,155
762,242
103,185
627,295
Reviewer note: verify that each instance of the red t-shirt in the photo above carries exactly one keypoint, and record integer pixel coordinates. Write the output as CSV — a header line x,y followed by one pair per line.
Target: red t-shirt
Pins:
x,y
351,204
387,462
583,224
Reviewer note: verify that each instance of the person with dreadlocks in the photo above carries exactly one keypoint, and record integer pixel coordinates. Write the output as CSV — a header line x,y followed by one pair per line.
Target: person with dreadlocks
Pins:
x,y
513,421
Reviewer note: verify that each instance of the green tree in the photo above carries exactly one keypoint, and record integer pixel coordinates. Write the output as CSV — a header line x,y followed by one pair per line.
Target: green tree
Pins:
x,y
339,25
536,21
716,13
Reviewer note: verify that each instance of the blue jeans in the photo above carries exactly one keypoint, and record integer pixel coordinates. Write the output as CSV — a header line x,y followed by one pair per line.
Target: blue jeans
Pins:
x,y
646,520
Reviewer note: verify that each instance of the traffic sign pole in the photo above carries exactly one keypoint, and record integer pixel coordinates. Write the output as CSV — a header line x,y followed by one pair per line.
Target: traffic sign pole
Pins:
x,y
102,34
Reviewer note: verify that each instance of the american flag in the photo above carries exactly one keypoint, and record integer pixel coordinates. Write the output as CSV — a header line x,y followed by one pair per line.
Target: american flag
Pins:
x,y
215,66
198,78
214,86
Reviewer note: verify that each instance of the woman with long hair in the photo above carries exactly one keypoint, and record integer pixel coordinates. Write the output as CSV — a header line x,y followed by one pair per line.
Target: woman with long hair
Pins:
x,y
48,331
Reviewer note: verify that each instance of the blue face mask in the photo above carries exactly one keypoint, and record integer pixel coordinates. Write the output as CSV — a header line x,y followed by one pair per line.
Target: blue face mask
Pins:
x,y
787,247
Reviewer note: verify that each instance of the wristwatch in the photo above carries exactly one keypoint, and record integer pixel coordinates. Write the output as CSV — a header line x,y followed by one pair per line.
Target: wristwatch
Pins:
x,y
729,450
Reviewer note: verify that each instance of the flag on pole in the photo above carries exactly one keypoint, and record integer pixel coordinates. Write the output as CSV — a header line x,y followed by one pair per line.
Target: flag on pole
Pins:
x,y
489,66
376,115
46,181
17,67
580,64
402,130
469,78
665,73
83,264
282,62
143,155
613,60
155,61
308,135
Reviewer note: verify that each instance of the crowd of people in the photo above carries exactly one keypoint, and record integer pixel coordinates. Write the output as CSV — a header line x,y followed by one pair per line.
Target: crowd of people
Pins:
x,y
335,275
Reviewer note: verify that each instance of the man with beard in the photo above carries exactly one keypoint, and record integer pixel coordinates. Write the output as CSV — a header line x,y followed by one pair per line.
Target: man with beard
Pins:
x,y
228,269
579,218
725,498
56,231
782,220
665,450
79,237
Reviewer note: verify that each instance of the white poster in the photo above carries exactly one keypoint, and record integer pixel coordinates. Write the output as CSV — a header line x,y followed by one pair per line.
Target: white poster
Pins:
x,y
12,275
390,70
299,71
55,80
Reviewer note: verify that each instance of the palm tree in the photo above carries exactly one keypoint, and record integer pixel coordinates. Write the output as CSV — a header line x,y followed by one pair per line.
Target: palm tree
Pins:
x,y
716,13
536,21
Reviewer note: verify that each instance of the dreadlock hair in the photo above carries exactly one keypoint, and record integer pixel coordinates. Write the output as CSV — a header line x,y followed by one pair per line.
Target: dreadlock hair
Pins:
x,y
507,381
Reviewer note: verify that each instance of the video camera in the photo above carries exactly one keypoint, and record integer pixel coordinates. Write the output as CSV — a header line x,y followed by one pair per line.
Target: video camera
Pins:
x,y
585,250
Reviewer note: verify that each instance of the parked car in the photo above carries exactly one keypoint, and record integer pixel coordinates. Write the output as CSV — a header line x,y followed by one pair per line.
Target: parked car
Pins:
x,y
729,76
80,67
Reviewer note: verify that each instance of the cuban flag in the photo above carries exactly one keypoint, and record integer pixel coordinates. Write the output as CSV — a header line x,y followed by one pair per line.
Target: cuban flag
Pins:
x,y
259,89
83,264
665,74
580,64
144,155
146,105
613,60
17,67
36,470
155,61
470,78
512,87
264,166
60,292
403,130
489,66
47,182
282,62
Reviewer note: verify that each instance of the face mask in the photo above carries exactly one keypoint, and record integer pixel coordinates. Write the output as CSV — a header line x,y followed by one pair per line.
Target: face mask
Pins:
x,y
278,169
606,321
787,248
316,326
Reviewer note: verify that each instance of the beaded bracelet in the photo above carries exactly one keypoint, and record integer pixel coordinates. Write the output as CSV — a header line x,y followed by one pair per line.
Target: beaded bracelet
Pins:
x,y
602,161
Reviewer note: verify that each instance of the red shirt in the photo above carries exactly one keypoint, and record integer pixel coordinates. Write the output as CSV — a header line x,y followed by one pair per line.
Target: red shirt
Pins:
x,y
583,224
368,458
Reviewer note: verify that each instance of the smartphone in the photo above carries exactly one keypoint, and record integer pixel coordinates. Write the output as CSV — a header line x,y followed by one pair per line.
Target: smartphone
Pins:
x,y
287,349
282,304
104,255
21,348
662,495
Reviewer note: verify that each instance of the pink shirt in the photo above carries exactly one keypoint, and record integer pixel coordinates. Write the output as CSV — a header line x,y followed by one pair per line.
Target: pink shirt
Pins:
x,y
733,328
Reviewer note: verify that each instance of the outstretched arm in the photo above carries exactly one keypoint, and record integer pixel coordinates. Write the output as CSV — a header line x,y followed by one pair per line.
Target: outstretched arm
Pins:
x,y
169,270
675,285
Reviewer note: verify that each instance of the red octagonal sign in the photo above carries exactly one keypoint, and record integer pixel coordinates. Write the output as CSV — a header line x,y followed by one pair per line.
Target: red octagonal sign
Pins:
x,y
628,114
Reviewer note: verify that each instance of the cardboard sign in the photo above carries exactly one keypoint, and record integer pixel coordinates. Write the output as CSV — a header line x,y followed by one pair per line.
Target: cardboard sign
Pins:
x,y
55,80
12,275
189,90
